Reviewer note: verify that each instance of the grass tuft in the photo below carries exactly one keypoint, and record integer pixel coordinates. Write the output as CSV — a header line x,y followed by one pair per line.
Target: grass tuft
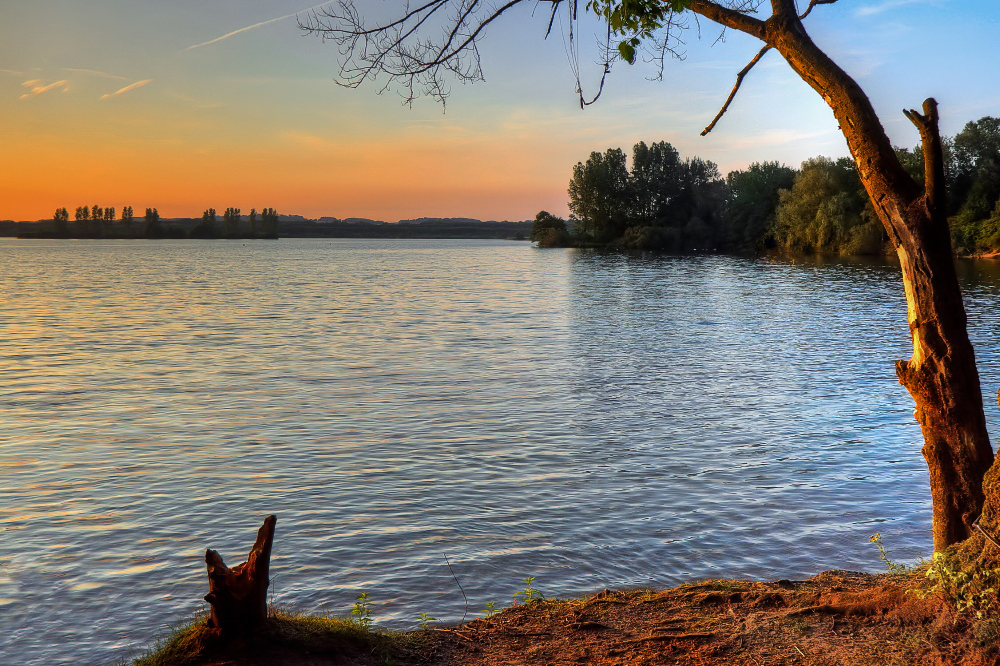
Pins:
x,y
287,637
183,645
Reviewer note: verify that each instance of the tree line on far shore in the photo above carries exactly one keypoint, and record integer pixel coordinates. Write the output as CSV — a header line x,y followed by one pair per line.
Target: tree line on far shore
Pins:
x,y
97,222
667,203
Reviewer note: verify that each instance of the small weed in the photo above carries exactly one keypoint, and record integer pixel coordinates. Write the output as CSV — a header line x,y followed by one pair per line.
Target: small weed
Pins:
x,y
491,609
362,611
894,567
529,593
425,620
976,591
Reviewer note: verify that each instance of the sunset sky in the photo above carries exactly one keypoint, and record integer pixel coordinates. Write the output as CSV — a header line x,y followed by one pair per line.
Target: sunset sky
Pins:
x,y
139,102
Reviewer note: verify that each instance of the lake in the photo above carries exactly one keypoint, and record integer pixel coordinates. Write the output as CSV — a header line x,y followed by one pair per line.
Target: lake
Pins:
x,y
593,420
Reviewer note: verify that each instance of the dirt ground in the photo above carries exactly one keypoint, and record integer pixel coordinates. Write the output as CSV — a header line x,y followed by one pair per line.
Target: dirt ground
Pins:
x,y
836,618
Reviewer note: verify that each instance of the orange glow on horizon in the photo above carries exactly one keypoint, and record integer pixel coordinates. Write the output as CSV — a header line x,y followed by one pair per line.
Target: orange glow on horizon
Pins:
x,y
415,173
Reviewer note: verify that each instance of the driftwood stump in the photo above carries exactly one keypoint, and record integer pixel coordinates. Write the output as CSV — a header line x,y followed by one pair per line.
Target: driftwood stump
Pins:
x,y
238,596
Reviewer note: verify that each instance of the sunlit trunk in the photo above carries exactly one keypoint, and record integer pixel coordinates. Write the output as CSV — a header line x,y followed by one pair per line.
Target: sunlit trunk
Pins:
x,y
941,375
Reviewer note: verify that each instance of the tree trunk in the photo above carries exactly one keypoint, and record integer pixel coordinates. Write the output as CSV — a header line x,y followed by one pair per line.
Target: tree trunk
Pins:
x,y
238,596
941,375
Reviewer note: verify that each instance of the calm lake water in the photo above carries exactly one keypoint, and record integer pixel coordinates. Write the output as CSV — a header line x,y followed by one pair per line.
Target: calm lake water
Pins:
x,y
592,420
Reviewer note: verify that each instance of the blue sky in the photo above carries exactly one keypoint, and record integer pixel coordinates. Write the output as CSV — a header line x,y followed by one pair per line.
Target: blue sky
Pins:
x,y
106,102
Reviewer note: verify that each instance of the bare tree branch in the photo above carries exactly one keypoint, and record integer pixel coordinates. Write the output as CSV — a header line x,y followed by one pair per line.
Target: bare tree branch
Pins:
x,y
404,51
813,3
739,82
397,50
674,25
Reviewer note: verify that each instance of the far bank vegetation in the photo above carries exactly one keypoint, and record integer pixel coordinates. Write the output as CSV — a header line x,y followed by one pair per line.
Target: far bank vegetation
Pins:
x,y
97,222
663,202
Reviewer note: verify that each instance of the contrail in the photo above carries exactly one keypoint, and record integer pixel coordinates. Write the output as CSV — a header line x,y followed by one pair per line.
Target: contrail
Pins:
x,y
251,27
137,84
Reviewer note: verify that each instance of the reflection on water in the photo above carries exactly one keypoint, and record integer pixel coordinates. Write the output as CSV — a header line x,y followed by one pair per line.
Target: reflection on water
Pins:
x,y
588,419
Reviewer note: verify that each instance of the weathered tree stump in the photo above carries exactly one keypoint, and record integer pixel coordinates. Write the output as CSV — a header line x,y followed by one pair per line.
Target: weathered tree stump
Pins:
x,y
238,596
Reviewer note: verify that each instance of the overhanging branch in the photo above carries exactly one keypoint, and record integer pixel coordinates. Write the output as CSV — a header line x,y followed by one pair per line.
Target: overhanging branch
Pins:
x,y
813,3
739,82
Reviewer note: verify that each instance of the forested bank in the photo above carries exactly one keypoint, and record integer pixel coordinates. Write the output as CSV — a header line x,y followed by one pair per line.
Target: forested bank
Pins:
x,y
663,202
101,223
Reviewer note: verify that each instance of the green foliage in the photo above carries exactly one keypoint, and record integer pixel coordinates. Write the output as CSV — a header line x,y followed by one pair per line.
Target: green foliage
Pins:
x,y
635,20
666,203
912,161
975,166
972,235
663,203
549,231
894,567
361,613
976,592
529,593
827,211
425,620
974,186
753,202
599,196
491,609
656,179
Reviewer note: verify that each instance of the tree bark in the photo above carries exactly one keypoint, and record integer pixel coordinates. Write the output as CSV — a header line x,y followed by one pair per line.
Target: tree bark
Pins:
x,y
238,596
941,376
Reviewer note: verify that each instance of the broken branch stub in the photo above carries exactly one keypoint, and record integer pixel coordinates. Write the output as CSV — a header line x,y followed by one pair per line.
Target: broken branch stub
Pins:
x,y
238,596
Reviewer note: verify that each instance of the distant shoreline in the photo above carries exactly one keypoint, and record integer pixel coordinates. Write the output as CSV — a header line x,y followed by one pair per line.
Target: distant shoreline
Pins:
x,y
444,228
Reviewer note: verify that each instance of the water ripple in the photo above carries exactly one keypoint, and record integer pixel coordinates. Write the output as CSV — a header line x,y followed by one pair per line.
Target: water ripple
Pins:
x,y
592,420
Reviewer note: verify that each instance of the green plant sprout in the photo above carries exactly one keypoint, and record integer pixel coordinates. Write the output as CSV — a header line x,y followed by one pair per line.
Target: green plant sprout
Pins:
x,y
894,567
491,609
529,593
425,620
362,611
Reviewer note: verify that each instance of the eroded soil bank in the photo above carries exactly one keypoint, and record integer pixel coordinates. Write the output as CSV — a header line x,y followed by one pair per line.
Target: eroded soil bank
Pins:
x,y
836,618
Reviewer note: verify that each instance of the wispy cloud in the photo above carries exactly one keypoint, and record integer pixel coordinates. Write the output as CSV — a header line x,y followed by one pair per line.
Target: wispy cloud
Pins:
x,y
11,72
35,87
132,86
891,4
94,72
251,27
